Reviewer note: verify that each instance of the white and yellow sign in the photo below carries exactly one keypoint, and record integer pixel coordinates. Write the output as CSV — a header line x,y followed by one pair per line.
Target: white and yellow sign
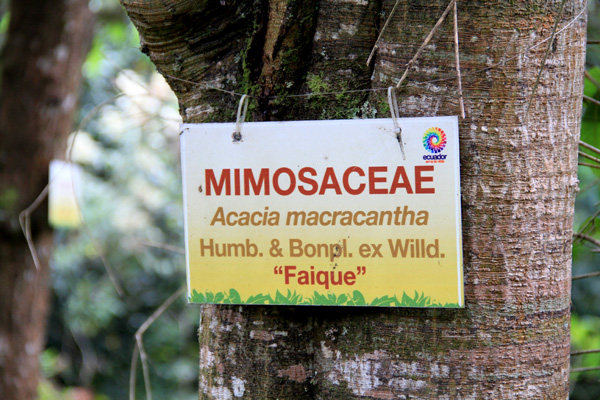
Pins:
x,y
63,210
324,213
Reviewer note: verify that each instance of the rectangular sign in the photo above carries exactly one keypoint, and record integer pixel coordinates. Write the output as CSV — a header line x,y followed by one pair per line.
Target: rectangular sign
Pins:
x,y
65,179
324,213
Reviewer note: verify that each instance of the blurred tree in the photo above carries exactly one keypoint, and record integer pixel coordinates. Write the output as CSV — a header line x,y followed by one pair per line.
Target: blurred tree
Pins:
x,y
518,171
40,75
131,203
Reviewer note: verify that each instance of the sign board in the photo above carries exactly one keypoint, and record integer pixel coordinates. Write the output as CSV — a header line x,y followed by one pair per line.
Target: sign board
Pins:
x,y
64,179
324,213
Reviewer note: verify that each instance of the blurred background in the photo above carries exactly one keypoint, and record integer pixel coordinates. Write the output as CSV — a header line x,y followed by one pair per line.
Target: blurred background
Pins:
x,y
585,294
127,148
130,193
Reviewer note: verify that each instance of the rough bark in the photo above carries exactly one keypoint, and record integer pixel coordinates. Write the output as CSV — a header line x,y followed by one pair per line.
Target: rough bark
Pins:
x,y
518,186
39,83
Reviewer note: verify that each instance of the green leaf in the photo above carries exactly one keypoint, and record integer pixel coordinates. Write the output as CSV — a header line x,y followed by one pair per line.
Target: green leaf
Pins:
x,y
450,305
358,299
294,298
281,299
4,20
210,297
385,301
322,300
234,297
219,297
258,299
197,297
590,89
406,301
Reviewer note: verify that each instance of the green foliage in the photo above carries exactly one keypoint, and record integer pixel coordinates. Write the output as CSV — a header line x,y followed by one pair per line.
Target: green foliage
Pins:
x,y
8,199
585,337
593,51
585,323
328,299
316,84
231,297
4,20
47,391
417,301
590,128
358,299
258,299
50,363
328,105
291,299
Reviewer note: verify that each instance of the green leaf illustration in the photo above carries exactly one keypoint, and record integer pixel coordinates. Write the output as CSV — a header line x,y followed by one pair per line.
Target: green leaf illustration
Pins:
x,y
197,297
385,301
281,299
295,298
323,300
234,297
210,297
219,297
358,299
259,299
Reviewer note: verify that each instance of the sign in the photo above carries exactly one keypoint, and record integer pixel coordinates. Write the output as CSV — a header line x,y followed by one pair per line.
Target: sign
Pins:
x,y
63,210
324,213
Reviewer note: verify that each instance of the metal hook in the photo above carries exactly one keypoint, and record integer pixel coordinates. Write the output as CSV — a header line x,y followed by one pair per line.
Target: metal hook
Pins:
x,y
393,102
241,116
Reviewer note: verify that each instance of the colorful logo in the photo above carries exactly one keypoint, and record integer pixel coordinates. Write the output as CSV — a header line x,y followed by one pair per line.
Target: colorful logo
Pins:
x,y
434,140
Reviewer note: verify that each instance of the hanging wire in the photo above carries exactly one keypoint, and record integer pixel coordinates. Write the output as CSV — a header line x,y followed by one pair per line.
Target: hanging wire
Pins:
x,y
393,103
241,117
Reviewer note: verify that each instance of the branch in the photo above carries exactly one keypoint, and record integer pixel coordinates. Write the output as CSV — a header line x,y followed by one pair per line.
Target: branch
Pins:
x,y
591,78
588,223
588,98
589,165
376,45
584,276
165,246
588,238
456,54
582,154
139,346
589,147
585,369
426,41
580,352
134,360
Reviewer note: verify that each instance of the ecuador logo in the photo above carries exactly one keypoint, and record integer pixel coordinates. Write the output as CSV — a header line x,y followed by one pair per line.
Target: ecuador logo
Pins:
x,y
434,140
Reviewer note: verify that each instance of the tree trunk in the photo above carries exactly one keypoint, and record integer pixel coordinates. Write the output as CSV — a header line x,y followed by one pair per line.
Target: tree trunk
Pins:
x,y
518,172
40,76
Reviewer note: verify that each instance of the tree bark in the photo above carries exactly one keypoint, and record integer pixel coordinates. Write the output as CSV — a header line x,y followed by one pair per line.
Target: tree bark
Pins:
x,y
40,76
518,172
